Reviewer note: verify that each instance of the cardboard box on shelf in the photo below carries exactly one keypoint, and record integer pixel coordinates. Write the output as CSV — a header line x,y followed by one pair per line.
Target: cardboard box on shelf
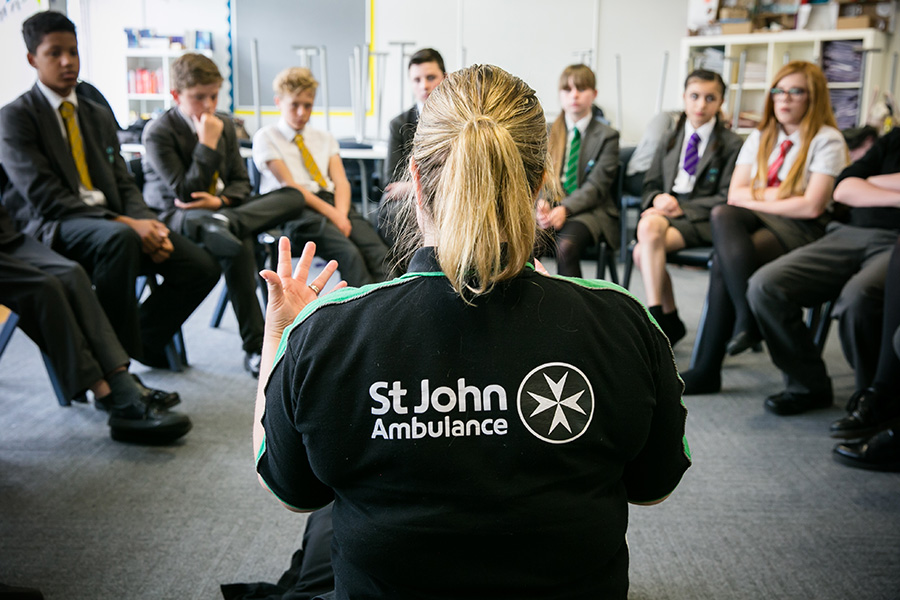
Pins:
x,y
860,22
882,14
734,13
737,27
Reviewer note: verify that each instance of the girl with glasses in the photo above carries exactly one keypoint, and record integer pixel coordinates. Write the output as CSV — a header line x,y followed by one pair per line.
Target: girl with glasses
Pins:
x,y
777,201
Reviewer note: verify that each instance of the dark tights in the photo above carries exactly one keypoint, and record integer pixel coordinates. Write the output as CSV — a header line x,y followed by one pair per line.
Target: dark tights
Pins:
x,y
742,244
887,376
572,239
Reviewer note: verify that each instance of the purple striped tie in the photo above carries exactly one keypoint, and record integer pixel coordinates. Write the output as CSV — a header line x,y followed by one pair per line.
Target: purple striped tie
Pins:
x,y
691,158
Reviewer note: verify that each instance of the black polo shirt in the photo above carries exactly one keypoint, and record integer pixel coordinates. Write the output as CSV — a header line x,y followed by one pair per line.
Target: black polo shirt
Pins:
x,y
483,451
882,158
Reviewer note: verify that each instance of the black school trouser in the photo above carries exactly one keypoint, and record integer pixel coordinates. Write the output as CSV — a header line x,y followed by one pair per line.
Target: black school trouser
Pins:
x,y
250,219
111,253
361,257
59,311
849,264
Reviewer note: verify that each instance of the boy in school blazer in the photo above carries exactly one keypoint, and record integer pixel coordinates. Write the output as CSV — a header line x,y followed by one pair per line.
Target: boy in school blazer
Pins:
x,y
425,71
195,176
90,210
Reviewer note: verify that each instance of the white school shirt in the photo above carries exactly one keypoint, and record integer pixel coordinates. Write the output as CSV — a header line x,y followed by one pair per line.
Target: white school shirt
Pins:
x,y
92,197
684,182
827,153
276,142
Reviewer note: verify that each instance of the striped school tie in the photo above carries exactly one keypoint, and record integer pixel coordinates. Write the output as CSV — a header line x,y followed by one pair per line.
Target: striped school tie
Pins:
x,y
570,181
773,179
309,163
691,156
76,144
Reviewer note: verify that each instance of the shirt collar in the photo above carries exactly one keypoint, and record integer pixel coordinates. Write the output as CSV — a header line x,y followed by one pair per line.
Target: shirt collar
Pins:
x,y
186,118
704,131
287,131
425,261
581,124
55,99
794,137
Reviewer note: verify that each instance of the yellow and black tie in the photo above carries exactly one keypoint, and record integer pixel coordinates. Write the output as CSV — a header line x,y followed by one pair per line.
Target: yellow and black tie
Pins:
x,y
309,163
67,110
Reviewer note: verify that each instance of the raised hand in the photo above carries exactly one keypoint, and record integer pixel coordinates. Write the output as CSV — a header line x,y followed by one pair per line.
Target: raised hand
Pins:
x,y
288,291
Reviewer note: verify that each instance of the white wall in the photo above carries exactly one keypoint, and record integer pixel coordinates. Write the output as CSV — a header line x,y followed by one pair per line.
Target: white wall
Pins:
x,y
534,39
15,72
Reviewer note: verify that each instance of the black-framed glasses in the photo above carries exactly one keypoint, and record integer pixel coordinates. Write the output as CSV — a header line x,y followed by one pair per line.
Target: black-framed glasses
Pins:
x,y
793,92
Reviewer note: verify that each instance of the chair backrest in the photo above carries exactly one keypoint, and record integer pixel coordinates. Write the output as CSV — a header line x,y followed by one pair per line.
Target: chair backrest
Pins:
x,y
254,175
8,322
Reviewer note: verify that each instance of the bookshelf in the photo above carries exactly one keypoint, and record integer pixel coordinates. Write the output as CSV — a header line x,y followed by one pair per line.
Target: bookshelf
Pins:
x,y
852,76
149,86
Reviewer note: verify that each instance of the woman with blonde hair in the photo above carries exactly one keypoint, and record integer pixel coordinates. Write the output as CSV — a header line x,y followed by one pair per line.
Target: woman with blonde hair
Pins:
x,y
480,426
777,201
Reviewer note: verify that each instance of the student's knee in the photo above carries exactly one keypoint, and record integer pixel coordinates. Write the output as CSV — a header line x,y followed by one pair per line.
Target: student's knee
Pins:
x,y
859,301
651,229
766,287
719,213
568,250
122,242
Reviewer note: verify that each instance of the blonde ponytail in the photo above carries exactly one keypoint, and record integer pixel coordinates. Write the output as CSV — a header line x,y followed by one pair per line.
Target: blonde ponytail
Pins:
x,y
481,153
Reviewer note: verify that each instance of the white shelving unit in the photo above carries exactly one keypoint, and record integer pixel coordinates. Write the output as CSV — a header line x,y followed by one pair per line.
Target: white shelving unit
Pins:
x,y
157,62
765,53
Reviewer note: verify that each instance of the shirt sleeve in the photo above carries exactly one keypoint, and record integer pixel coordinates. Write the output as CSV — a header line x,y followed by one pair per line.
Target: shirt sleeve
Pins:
x,y
828,152
333,146
656,471
283,462
264,148
747,155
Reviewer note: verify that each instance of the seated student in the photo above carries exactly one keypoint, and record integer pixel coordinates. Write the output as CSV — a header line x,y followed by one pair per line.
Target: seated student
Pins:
x,y
849,263
195,176
690,174
777,201
585,150
58,309
426,71
292,155
70,188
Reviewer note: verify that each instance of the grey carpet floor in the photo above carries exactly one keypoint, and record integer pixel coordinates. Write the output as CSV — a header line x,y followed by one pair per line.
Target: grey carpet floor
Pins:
x,y
764,512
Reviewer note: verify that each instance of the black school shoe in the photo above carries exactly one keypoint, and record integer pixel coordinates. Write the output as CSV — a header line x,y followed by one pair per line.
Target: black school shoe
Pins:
x,y
213,231
147,425
790,403
158,398
870,412
879,453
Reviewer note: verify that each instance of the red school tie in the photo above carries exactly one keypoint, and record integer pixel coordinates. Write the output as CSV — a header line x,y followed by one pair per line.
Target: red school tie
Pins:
x,y
776,166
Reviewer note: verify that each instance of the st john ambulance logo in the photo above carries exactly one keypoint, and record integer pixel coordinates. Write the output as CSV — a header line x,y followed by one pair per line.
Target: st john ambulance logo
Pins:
x,y
556,402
